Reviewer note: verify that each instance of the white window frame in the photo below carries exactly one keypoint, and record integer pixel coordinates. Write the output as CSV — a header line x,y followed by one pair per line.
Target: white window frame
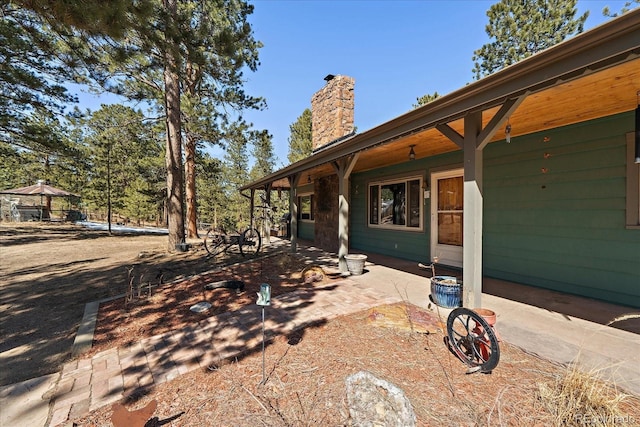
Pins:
x,y
312,197
398,180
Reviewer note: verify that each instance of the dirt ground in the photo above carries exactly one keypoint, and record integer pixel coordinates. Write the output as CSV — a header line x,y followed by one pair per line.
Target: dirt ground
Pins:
x,y
50,272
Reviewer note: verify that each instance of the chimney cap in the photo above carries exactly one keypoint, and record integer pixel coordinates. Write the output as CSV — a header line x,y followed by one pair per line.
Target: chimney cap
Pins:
x,y
329,77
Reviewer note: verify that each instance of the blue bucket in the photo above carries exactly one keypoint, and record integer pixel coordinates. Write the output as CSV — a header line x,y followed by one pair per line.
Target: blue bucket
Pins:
x,y
446,291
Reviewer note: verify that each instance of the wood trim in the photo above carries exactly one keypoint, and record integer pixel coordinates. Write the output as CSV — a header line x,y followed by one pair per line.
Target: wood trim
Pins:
x,y
633,184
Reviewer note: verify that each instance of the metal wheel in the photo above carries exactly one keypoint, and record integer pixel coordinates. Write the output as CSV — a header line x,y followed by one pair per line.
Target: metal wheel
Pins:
x,y
214,242
250,242
472,340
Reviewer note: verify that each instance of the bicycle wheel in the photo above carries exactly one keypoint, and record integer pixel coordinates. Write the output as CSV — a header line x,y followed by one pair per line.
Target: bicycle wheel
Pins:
x,y
250,242
472,340
214,242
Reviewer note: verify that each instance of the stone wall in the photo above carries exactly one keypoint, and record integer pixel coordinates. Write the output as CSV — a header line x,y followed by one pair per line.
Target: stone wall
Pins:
x,y
326,215
332,111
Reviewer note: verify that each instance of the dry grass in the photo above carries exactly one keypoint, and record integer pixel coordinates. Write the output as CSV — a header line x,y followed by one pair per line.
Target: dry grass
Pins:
x,y
578,398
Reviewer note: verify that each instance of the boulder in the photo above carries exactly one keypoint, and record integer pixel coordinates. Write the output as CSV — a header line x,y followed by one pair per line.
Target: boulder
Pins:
x,y
376,402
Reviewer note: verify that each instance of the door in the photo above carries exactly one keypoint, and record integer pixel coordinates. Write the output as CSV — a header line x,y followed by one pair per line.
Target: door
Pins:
x,y
446,216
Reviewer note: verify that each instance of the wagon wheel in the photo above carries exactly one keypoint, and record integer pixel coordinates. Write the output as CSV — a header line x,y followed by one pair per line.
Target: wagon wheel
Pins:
x,y
250,242
472,340
214,242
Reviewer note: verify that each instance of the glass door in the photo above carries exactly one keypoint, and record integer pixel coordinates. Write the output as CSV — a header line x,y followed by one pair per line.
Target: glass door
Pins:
x,y
446,216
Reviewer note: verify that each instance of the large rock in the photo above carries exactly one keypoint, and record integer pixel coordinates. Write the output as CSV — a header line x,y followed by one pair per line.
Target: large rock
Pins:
x,y
376,402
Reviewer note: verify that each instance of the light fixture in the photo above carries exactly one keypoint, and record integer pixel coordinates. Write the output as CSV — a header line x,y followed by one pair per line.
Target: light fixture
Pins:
x,y
507,132
309,179
412,154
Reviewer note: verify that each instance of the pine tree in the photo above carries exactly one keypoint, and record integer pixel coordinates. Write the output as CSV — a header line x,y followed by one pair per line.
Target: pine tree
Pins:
x,y
300,139
425,99
235,174
520,28
628,6
211,195
124,152
188,61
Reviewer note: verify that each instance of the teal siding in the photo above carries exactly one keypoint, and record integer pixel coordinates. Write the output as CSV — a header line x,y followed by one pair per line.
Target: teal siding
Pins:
x,y
558,221
306,230
554,211
410,245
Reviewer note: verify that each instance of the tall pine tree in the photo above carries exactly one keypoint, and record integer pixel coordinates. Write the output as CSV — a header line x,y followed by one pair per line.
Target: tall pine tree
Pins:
x,y
300,140
520,28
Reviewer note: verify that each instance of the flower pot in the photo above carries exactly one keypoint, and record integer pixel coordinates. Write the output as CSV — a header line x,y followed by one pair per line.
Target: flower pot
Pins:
x,y
489,316
355,263
446,291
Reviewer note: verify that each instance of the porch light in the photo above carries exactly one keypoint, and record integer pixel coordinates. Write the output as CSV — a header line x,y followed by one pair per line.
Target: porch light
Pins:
x,y
309,179
507,132
412,154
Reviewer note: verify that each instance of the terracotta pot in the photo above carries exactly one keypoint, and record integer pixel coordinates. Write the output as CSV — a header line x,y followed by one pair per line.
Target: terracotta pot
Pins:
x,y
488,315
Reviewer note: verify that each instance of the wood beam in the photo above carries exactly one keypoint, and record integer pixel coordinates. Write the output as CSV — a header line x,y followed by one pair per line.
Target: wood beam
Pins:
x,y
452,134
496,122
266,221
294,179
344,167
252,195
472,218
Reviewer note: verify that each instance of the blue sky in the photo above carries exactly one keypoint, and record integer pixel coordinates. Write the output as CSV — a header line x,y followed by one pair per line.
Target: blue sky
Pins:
x,y
395,50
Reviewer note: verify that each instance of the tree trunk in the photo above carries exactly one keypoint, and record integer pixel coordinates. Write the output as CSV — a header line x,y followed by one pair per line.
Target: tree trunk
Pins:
x,y
190,171
191,76
175,196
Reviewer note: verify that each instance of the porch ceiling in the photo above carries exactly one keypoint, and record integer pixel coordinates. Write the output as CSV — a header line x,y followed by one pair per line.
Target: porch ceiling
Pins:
x,y
611,91
596,95
593,75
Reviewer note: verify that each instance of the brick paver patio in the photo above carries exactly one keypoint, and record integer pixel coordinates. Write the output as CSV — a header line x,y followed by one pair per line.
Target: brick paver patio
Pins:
x,y
107,377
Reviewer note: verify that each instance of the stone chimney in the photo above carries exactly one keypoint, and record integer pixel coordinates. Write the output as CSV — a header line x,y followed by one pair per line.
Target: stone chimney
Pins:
x,y
332,110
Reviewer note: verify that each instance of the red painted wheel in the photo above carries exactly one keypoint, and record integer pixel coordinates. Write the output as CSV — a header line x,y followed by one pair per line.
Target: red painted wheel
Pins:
x,y
472,340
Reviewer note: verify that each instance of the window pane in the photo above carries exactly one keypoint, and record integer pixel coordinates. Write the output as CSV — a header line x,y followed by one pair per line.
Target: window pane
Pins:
x,y
393,204
414,203
305,207
450,229
450,194
373,204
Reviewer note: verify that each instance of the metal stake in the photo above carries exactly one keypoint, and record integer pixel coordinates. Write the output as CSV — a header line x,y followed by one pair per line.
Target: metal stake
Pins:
x,y
264,378
264,299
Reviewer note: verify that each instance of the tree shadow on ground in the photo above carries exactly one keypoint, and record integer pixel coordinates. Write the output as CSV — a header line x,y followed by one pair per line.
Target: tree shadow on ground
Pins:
x,y
39,317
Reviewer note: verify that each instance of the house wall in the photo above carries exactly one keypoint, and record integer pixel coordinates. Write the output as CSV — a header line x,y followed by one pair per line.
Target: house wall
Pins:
x,y
554,206
306,230
411,245
554,211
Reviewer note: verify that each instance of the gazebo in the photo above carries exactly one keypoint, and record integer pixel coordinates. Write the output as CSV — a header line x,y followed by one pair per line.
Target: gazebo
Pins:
x,y
20,212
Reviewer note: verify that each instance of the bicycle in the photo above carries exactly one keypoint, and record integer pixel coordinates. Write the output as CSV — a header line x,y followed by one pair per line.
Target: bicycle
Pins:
x,y
264,221
217,240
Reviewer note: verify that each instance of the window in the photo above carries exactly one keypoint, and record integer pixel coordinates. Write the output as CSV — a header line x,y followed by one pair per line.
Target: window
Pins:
x,y
305,203
633,185
396,204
